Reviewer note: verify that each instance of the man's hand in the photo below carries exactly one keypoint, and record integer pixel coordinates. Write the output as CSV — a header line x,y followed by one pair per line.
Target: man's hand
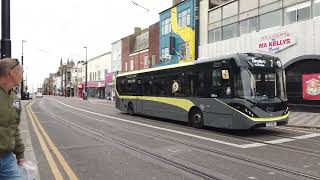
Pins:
x,y
20,162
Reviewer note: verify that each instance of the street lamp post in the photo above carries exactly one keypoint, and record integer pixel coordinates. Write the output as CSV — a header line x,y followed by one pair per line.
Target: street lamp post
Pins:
x,y
86,76
5,27
22,85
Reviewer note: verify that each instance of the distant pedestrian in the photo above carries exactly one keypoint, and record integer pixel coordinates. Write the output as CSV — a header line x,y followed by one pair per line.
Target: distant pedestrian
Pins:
x,y
11,75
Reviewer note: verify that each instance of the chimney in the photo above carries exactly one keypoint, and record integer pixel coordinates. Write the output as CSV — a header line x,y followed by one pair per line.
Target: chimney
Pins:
x,y
137,31
175,2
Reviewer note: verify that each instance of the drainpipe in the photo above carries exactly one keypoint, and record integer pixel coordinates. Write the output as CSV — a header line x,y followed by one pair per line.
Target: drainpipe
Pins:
x,y
196,27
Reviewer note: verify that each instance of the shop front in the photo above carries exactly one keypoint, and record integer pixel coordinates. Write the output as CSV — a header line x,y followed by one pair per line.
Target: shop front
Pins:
x,y
96,89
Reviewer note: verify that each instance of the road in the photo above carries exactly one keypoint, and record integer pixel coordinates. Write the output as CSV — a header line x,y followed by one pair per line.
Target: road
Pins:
x,y
92,140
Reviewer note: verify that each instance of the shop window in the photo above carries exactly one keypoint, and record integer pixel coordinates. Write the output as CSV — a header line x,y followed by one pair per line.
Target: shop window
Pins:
x,y
316,9
184,18
214,35
249,25
271,19
299,12
230,31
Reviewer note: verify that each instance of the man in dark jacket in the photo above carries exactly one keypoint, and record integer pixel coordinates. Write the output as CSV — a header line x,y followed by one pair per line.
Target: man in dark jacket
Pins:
x,y
11,75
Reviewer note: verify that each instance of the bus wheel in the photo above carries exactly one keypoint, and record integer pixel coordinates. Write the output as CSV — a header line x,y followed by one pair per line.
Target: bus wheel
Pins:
x,y
130,109
196,118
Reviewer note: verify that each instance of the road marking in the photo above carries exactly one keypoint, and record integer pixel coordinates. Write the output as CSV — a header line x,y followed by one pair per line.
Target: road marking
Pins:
x,y
293,129
243,146
55,150
53,166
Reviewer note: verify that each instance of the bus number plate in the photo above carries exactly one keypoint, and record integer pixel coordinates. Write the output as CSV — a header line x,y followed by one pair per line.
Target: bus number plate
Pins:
x,y
270,124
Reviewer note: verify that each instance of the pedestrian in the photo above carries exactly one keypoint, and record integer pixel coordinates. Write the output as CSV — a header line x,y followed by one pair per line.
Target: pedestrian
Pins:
x,y
11,145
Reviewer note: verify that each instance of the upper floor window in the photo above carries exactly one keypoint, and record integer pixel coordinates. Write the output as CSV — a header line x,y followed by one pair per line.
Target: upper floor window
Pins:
x,y
271,19
248,25
166,26
165,54
131,65
126,66
230,31
316,9
215,35
298,12
183,50
184,18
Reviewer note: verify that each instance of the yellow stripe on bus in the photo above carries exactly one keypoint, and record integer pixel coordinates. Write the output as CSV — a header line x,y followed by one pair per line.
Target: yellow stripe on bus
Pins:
x,y
187,104
182,103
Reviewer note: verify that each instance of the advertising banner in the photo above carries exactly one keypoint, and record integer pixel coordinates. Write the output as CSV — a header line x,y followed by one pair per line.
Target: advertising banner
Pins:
x,y
311,86
275,42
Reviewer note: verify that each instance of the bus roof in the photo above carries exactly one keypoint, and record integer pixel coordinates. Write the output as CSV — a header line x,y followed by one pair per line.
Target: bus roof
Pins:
x,y
240,58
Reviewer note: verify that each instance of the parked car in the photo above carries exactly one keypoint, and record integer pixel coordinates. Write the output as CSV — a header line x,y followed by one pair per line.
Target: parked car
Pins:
x,y
39,95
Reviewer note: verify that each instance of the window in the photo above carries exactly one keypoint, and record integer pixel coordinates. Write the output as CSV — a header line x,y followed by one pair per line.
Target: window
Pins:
x,y
246,5
131,65
165,54
299,12
215,35
182,50
90,76
184,18
249,25
166,26
99,76
126,66
146,62
265,2
153,60
271,19
230,10
316,9
230,31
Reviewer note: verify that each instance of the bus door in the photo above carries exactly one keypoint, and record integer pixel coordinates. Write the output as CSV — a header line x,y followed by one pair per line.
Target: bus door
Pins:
x,y
139,94
221,89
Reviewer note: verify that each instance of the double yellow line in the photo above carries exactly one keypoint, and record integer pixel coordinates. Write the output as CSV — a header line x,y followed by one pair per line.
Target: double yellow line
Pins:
x,y
45,141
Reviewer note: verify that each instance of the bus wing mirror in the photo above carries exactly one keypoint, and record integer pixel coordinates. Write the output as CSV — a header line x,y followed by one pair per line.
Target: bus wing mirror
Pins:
x,y
225,75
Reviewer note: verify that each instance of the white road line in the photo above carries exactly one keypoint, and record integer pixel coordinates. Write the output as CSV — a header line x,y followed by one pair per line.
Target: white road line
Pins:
x,y
243,146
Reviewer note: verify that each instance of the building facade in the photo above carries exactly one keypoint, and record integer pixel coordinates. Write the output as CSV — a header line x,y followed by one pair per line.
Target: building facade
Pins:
x,y
177,33
98,67
288,29
141,49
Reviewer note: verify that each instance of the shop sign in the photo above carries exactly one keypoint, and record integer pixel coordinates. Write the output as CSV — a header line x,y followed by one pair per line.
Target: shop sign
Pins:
x,y
275,42
311,86
109,77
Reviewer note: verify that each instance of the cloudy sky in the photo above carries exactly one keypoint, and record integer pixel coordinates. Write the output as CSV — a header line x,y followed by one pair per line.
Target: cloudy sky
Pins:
x,y
57,29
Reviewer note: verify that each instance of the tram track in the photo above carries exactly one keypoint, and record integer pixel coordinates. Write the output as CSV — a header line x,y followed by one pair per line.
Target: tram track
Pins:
x,y
254,162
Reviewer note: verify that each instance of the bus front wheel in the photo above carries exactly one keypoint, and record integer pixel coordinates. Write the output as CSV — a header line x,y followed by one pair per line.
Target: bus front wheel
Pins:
x,y
130,109
196,118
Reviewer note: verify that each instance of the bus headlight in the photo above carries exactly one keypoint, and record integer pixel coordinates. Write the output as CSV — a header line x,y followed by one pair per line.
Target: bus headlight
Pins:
x,y
286,111
243,109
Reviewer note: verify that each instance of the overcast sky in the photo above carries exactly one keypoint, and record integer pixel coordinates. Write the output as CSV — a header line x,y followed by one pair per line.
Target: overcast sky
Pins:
x,y
61,28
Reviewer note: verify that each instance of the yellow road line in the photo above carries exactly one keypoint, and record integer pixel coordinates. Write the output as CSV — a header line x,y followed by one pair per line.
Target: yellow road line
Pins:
x,y
55,150
54,169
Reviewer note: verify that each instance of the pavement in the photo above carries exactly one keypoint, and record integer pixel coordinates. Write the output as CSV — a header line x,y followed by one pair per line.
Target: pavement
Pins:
x,y
26,138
